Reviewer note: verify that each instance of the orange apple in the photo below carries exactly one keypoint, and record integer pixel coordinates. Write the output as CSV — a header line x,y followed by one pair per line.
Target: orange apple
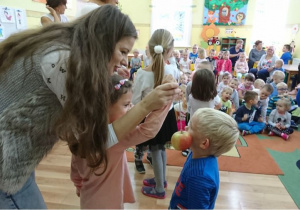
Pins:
x,y
181,140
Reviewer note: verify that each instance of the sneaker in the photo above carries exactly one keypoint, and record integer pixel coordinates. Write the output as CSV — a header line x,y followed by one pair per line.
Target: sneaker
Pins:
x,y
140,166
244,133
185,153
294,125
149,159
151,183
285,136
271,133
151,192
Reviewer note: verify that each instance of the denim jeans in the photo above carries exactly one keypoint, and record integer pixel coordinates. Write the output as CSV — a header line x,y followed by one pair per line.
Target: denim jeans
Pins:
x,y
28,197
253,127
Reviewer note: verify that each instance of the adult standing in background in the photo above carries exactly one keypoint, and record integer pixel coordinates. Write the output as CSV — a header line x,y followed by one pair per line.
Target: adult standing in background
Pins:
x,y
235,51
57,10
94,4
255,54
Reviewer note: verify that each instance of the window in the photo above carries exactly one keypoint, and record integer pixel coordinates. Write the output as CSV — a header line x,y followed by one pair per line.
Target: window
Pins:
x,y
176,17
270,22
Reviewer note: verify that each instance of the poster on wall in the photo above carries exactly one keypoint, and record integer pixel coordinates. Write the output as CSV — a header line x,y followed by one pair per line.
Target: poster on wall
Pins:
x,y
7,15
1,32
177,19
225,12
20,18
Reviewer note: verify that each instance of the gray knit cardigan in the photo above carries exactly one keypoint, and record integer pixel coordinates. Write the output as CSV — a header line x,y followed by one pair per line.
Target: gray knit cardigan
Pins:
x,y
28,111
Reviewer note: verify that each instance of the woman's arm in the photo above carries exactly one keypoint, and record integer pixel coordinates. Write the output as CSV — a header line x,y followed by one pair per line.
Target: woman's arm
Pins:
x,y
156,99
251,58
260,62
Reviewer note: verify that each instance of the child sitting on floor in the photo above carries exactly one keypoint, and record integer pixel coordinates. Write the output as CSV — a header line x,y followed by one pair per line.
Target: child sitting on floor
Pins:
x,y
258,84
213,134
234,83
225,100
279,121
248,117
226,77
278,77
282,89
246,85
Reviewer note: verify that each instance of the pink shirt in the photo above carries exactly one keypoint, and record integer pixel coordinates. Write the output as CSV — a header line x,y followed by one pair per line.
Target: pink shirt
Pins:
x,y
239,66
244,89
113,188
224,65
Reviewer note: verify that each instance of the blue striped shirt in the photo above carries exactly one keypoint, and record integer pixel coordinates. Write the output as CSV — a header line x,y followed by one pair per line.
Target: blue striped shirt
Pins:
x,y
198,184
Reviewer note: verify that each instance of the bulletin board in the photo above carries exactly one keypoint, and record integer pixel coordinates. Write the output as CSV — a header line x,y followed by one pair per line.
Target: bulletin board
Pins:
x,y
12,20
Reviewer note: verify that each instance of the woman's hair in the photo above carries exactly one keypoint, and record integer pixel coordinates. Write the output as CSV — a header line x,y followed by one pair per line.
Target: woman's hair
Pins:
x,y
286,102
239,41
202,52
55,3
91,40
204,85
165,39
257,42
119,86
221,129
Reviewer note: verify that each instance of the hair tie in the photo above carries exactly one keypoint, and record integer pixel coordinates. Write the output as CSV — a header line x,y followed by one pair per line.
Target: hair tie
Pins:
x,y
158,49
122,82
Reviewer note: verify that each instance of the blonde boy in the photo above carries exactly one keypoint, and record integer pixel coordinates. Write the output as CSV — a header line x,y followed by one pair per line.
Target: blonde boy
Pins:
x,y
258,84
278,77
213,134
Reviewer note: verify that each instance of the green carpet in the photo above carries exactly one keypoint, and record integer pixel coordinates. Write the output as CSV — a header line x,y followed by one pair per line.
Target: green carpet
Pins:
x,y
289,163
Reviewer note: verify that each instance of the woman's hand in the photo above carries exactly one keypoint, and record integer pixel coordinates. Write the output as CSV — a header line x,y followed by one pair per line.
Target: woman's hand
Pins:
x,y
161,95
51,10
123,72
270,69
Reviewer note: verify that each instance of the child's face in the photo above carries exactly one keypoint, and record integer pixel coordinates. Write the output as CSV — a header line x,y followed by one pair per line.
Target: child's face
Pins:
x,y
176,55
263,94
284,49
136,54
281,108
189,77
195,50
242,57
233,84
258,86
226,95
120,108
248,83
225,56
225,80
185,56
281,90
183,79
278,79
220,55
254,101
278,64
212,54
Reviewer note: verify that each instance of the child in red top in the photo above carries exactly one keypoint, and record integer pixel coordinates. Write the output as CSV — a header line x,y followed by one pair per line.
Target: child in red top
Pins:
x,y
224,64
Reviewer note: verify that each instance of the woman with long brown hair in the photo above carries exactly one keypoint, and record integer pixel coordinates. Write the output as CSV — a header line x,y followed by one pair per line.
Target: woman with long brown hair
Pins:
x,y
63,65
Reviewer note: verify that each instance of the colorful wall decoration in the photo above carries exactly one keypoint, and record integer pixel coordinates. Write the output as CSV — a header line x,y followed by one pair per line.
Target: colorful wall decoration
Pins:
x,y
225,12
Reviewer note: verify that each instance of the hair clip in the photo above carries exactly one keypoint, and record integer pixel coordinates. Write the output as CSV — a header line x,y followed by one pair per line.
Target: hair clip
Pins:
x,y
122,82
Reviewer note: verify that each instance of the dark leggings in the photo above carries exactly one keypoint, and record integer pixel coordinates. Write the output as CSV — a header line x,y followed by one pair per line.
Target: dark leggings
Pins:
x,y
278,132
296,79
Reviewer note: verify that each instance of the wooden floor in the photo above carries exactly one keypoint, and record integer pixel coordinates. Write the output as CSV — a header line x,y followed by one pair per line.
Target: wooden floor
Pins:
x,y
237,190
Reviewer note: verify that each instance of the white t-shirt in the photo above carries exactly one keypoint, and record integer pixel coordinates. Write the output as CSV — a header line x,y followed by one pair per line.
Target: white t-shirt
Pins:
x,y
185,65
88,7
54,72
63,18
182,112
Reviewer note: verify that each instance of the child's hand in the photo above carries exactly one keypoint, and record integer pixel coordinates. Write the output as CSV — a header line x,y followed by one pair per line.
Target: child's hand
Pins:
x,y
260,119
78,192
277,125
245,117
